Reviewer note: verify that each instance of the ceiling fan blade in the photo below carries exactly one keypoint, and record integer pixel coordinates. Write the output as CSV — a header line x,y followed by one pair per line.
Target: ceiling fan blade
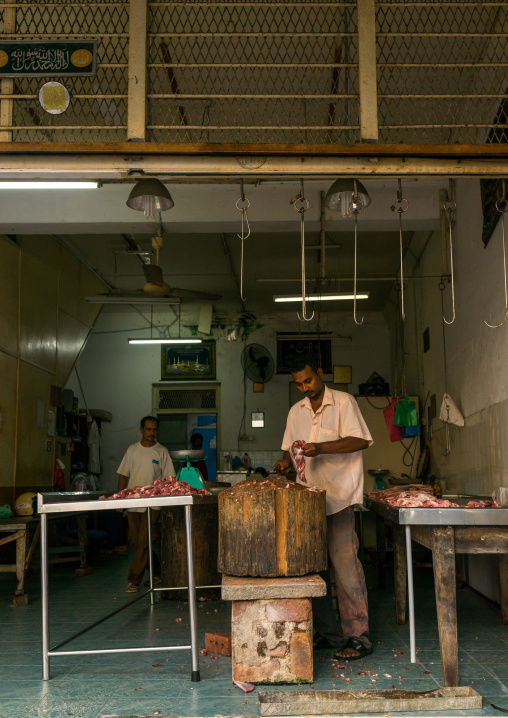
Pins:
x,y
191,294
153,274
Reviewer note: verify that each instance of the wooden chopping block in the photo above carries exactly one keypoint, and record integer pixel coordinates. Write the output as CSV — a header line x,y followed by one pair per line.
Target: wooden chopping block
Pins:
x,y
272,527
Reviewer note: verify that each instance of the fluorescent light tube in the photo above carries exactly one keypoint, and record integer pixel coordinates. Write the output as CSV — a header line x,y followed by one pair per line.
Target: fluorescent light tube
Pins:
x,y
12,184
319,297
168,340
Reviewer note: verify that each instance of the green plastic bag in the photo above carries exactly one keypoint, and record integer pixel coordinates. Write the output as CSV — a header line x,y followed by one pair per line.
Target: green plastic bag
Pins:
x,y
405,413
5,512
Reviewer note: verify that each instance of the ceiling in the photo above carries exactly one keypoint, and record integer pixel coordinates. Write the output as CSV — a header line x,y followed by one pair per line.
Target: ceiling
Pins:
x,y
201,248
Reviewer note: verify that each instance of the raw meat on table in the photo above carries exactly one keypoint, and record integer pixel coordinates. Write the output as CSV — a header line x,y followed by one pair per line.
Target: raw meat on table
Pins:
x,y
161,487
407,499
298,459
385,494
482,504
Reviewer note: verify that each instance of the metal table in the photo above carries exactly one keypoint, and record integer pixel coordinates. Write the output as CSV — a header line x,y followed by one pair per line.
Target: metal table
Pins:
x,y
55,503
445,531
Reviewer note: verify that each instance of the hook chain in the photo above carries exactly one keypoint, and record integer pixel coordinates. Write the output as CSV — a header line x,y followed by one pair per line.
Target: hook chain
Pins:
x,y
401,205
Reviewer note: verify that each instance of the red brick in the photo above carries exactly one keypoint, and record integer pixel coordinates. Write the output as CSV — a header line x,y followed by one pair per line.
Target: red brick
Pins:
x,y
277,652
238,608
219,643
288,609
301,655
256,674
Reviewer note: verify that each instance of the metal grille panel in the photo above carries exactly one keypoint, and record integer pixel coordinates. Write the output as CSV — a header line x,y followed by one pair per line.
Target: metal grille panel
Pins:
x,y
98,108
187,399
442,72
267,71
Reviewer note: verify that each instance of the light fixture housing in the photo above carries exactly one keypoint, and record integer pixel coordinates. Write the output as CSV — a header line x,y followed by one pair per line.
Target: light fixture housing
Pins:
x,y
166,340
320,297
34,184
150,196
339,197
112,299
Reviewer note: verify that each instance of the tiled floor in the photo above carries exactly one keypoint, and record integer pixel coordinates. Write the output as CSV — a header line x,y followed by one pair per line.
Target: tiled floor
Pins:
x,y
158,683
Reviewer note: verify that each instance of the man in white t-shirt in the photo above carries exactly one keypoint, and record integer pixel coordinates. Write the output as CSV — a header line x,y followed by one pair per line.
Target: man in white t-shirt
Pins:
x,y
331,424
143,463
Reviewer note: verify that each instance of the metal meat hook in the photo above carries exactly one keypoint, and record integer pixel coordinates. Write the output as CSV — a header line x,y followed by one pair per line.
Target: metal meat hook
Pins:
x,y
450,206
301,205
401,205
243,204
354,285
502,206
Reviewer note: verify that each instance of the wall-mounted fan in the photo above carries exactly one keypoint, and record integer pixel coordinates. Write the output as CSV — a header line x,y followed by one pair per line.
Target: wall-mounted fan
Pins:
x,y
257,363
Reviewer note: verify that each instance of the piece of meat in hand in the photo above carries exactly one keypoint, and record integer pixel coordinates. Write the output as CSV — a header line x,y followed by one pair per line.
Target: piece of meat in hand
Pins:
x,y
298,459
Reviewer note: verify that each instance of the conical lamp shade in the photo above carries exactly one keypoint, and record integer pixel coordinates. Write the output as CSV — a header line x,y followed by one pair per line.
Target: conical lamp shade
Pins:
x,y
340,195
150,196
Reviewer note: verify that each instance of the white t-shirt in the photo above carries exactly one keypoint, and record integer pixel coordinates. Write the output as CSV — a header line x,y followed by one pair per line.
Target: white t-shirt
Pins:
x,y
144,464
341,475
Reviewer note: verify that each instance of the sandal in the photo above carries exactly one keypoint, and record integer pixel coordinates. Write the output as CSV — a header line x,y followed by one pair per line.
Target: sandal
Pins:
x,y
320,643
356,645
131,588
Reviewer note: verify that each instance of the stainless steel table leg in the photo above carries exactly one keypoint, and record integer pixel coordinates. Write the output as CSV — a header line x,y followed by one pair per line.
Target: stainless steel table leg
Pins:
x,y
44,597
410,595
192,596
150,557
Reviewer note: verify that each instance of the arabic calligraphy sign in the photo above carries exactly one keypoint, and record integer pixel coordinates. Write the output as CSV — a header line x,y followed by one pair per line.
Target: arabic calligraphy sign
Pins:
x,y
35,59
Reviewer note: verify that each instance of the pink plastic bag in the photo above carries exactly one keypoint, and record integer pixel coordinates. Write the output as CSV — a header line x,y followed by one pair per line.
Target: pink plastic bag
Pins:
x,y
389,413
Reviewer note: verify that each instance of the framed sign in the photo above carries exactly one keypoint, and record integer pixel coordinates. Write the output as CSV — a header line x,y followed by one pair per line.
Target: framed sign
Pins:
x,y
342,374
49,57
289,349
188,361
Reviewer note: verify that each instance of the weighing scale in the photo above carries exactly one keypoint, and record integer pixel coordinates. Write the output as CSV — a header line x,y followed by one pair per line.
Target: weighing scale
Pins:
x,y
187,472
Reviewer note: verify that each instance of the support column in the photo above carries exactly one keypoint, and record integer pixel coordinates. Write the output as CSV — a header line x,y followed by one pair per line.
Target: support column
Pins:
x,y
7,83
367,80
136,103
503,587
446,602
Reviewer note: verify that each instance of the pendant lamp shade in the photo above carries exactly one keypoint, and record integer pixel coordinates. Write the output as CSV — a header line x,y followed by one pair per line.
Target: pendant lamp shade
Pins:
x,y
340,196
150,196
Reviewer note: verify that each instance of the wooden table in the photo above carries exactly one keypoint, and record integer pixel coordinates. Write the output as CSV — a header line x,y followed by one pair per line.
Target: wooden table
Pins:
x,y
19,529
446,532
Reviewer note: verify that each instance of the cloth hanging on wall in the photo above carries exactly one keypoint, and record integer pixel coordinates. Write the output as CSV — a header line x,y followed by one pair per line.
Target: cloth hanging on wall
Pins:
x,y
94,448
450,413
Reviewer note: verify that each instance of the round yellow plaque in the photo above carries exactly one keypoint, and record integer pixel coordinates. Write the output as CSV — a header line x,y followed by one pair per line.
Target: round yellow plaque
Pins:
x,y
81,58
4,58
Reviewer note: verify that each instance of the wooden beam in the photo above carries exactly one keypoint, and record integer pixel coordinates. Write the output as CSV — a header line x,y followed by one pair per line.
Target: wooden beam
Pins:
x,y
367,81
7,83
443,557
137,74
217,150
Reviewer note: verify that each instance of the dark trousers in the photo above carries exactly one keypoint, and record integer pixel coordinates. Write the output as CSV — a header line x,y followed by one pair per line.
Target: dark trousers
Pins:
x,y
343,547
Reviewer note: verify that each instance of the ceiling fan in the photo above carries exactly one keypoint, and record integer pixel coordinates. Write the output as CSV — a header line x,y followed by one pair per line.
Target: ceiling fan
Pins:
x,y
156,287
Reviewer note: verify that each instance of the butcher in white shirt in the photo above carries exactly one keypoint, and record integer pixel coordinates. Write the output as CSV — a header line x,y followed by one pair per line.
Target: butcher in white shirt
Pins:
x,y
143,463
335,433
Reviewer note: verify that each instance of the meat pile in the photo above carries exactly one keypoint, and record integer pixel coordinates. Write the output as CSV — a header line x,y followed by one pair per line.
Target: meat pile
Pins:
x,y
422,499
298,459
483,504
161,487
385,494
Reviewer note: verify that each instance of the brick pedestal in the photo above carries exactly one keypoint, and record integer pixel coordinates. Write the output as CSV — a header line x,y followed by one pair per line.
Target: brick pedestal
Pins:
x,y
271,628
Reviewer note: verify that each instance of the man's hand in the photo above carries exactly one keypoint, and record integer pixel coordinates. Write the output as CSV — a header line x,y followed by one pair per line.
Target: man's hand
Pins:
x,y
312,450
282,467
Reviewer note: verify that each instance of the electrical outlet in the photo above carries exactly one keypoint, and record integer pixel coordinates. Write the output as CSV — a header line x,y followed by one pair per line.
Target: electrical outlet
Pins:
x,y
49,445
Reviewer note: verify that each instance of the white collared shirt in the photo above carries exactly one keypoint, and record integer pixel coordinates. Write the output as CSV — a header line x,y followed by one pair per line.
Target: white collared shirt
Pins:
x,y
341,475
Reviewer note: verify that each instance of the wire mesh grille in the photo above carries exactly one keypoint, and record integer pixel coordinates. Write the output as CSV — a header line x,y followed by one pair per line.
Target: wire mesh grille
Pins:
x,y
272,72
98,106
442,72
187,399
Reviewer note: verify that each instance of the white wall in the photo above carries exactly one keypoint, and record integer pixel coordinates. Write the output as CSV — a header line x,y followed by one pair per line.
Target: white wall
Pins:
x,y
118,377
476,359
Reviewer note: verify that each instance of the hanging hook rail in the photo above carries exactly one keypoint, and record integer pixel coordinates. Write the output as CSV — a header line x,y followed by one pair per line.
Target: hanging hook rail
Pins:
x,y
301,205
243,205
502,207
401,205
450,206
